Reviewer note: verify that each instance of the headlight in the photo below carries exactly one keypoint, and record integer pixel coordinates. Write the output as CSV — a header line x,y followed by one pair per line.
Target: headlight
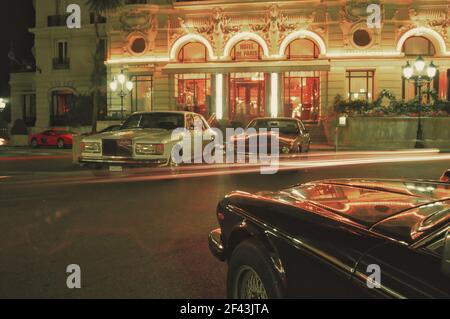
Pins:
x,y
149,149
90,147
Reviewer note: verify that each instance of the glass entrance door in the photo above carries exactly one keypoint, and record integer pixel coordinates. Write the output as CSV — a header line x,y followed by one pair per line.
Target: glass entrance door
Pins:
x,y
247,96
302,95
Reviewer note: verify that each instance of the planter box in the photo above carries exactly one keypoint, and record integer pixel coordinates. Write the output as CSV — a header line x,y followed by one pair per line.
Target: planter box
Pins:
x,y
389,132
18,140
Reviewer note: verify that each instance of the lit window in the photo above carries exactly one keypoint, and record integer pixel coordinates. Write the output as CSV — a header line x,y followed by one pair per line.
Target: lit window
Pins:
x,y
302,95
416,46
193,93
193,52
360,85
302,49
141,96
62,101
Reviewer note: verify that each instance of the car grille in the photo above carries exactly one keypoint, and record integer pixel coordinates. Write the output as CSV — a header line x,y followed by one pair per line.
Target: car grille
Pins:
x,y
121,148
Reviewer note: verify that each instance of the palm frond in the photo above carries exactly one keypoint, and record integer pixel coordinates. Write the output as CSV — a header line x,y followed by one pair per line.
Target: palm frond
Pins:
x,y
103,6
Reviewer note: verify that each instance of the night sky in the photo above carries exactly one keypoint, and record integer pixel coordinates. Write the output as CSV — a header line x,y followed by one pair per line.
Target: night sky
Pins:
x,y
16,17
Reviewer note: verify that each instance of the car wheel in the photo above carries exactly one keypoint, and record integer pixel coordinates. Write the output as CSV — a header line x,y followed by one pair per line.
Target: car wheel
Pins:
x,y
171,162
251,274
60,144
34,143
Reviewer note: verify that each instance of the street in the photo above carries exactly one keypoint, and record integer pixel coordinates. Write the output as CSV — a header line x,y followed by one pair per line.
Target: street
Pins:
x,y
138,236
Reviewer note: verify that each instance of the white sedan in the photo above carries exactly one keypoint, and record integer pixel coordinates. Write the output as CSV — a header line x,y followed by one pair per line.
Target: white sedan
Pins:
x,y
144,138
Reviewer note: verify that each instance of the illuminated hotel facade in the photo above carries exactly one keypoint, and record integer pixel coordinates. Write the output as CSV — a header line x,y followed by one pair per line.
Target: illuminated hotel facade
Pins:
x,y
235,59
244,59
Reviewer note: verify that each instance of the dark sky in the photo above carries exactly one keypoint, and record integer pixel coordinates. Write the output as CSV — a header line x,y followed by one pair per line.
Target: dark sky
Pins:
x,y
16,17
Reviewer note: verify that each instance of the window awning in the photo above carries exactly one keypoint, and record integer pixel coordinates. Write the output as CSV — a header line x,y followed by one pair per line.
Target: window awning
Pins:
x,y
260,66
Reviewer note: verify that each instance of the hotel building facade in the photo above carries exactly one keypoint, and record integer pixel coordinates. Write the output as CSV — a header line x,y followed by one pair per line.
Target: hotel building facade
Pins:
x,y
236,59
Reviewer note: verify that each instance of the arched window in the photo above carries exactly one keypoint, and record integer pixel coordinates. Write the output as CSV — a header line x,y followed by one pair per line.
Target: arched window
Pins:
x,y
415,46
193,52
302,49
247,50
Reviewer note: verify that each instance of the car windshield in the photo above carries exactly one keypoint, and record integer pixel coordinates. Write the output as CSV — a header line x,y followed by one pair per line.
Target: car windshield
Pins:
x,y
284,126
165,121
59,132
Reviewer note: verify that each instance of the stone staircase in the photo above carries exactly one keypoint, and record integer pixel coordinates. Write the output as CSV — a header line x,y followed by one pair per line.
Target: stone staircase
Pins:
x,y
317,134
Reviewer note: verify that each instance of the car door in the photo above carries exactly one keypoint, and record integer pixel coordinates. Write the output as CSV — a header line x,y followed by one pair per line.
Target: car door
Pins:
x,y
45,138
404,272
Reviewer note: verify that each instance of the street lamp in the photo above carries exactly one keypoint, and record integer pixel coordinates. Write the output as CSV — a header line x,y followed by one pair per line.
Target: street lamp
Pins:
x,y
416,75
2,104
122,87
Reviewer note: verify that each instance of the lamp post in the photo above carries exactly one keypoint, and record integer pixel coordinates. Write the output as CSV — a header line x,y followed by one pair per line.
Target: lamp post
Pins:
x,y
122,87
415,73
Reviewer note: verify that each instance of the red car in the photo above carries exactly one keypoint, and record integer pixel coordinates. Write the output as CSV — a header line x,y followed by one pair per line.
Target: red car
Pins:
x,y
59,138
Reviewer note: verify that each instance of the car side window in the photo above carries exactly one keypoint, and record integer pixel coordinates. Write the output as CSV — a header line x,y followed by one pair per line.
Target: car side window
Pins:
x,y
198,121
301,127
437,247
189,122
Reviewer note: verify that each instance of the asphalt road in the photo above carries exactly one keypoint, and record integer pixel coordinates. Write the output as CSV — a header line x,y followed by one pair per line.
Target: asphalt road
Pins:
x,y
133,236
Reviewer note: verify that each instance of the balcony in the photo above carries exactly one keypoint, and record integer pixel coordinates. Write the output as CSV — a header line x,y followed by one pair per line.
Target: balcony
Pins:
x,y
61,63
59,20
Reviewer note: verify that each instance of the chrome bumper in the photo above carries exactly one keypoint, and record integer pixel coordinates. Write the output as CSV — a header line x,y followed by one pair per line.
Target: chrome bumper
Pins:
x,y
215,244
122,161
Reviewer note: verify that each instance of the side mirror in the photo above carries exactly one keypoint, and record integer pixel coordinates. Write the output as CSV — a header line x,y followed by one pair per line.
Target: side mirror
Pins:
x,y
445,266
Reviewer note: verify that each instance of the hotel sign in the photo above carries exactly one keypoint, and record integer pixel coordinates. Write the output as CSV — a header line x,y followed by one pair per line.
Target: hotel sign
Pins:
x,y
247,50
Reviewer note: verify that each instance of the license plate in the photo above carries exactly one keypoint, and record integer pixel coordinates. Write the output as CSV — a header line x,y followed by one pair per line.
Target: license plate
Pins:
x,y
115,169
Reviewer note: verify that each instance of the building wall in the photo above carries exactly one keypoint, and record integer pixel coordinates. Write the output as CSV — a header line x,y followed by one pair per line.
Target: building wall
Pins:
x,y
81,47
332,22
166,26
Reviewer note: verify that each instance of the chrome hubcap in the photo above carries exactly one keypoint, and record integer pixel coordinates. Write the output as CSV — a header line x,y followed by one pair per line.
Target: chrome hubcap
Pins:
x,y
251,285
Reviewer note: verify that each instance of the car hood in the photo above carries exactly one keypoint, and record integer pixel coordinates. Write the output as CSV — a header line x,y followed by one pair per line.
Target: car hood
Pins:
x,y
135,135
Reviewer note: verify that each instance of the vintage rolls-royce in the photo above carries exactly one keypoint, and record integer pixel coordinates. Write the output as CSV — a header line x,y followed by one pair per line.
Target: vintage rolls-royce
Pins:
x,y
144,138
337,239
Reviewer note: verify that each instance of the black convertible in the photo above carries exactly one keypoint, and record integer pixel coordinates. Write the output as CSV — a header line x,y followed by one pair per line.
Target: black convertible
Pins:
x,y
337,239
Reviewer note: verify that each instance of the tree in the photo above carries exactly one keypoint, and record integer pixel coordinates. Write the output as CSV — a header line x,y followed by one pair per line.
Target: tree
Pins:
x,y
98,79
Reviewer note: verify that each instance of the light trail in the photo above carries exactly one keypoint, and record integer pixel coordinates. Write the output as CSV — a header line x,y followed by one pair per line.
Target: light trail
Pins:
x,y
205,170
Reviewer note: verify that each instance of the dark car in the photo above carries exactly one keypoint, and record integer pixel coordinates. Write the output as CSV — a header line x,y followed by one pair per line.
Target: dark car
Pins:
x,y
293,136
337,239
54,137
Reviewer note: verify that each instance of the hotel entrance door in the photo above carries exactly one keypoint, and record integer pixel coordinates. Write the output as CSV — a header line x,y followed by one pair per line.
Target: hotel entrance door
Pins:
x,y
247,96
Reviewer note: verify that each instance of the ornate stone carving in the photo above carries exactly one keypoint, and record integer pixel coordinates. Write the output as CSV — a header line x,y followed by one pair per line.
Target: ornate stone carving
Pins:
x,y
276,25
436,19
132,21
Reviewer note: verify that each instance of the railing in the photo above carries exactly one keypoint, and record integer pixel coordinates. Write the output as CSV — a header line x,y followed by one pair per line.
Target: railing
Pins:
x,y
59,20
61,63
4,132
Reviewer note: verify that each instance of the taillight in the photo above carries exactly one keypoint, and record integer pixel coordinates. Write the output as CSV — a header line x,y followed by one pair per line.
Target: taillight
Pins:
x,y
220,216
